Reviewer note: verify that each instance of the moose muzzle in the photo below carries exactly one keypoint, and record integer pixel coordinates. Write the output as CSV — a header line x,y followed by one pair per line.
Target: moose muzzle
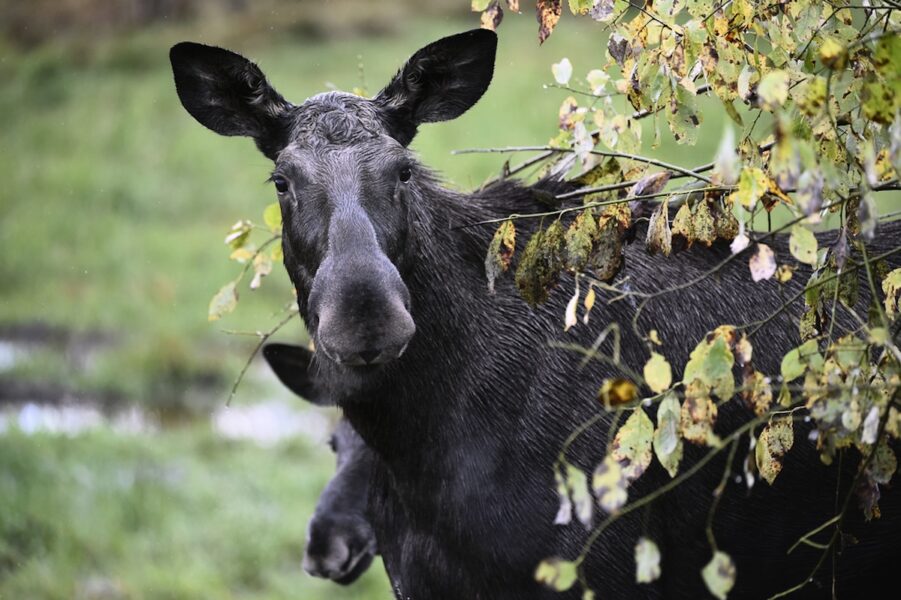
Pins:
x,y
361,310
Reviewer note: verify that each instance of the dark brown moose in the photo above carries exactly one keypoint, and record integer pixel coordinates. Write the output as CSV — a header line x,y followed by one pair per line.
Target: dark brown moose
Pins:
x,y
459,393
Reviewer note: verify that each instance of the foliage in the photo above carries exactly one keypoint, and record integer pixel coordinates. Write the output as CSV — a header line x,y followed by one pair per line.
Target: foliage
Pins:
x,y
815,90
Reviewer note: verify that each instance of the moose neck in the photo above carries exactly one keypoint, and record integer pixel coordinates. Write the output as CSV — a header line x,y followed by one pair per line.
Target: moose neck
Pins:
x,y
456,383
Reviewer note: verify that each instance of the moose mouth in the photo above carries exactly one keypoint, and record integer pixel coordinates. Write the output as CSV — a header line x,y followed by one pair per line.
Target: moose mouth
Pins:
x,y
365,360
353,567
357,562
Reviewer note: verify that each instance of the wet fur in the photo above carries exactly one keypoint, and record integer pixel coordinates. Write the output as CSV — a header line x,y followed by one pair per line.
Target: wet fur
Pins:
x,y
467,423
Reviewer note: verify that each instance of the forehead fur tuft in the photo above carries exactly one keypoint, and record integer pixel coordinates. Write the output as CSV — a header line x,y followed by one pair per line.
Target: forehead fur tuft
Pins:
x,y
337,118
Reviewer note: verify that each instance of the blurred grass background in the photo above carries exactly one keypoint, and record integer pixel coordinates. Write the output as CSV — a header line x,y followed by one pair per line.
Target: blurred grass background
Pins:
x,y
113,208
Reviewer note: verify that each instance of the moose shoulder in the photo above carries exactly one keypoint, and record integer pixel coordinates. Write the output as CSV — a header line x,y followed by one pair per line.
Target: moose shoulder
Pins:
x,y
459,392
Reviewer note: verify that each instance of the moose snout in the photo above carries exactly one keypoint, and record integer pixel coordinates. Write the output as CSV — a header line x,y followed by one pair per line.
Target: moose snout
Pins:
x,y
358,336
362,315
338,551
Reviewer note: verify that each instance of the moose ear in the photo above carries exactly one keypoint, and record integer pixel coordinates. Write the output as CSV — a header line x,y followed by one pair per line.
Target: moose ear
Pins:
x,y
230,95
440,82
291,365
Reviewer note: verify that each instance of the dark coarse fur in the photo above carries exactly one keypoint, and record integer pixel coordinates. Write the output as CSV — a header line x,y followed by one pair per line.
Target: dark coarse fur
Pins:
x,y
469,421
468,414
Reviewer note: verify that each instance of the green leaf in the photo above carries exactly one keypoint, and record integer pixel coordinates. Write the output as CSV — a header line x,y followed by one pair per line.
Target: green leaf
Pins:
x,y
700,8
683,116
647,561
608,255
884,463
597,79
609,485
262,266
746,79
632,444
752,185
580,7
682,225
881,92
811,96
579,241
773,89
479,5
556,573
238,234
492,17
500,252
795,361
758,392
833,53
803,245
774,442
703,224
565,512
658,373
540,264
562,71
719,574
660,236
577,486
891,286
272,217
667,436
710,362
224,302
697,417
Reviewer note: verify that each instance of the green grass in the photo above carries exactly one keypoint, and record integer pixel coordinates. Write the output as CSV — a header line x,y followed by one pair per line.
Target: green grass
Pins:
x,y
179,515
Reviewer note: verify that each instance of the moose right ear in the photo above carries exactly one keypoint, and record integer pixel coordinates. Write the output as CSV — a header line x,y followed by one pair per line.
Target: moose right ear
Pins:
x,y
291,365
439,82
230,95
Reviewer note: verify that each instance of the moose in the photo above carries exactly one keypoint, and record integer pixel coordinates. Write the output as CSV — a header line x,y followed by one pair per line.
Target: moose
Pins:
x,y
459,394
340,539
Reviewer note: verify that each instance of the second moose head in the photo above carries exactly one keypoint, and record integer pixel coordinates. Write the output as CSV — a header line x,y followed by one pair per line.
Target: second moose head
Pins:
x,y
345,179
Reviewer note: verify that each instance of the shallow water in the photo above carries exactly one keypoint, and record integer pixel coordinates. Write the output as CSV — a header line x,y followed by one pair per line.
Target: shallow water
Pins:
x,y
265,423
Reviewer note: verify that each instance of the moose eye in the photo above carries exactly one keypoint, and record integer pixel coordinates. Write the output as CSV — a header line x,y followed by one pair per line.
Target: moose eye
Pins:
x,y
281,184
405,174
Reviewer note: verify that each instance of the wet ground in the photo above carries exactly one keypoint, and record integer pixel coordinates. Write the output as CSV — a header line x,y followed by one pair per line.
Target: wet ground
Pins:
x,y
49,406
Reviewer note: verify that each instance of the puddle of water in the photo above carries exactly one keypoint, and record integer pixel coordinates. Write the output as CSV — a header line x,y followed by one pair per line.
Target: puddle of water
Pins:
x,y
33,418
265,423
10,354
268,423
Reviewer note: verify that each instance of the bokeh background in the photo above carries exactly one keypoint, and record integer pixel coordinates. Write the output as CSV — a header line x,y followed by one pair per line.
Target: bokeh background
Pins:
x,y
123,474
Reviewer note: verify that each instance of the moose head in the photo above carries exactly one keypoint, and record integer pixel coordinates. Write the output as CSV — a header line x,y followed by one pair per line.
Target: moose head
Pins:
x,y
345,180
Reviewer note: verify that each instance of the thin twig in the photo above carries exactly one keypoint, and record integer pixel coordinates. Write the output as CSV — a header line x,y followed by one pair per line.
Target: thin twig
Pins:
x,y
623,155
263,338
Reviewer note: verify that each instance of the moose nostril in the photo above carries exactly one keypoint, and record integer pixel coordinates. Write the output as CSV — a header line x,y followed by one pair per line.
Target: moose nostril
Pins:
x,y
369,356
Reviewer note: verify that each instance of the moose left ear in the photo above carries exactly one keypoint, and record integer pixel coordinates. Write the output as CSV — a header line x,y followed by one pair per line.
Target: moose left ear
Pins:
x,y
440,82
230,95
291,364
